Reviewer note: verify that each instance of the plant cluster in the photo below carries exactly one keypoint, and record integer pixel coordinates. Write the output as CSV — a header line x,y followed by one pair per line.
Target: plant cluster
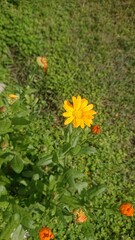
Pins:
x,y
41,178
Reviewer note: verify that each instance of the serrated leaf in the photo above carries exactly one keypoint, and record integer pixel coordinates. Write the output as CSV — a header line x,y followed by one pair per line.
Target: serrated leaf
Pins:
x,y
17,164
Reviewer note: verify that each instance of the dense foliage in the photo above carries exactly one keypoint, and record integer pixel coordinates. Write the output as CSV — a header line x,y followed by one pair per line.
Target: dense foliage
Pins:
x,y
47,169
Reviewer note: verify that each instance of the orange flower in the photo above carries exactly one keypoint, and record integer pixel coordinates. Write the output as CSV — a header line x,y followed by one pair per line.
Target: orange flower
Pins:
x,y
45,234
96,129
42,62
127,209
80,216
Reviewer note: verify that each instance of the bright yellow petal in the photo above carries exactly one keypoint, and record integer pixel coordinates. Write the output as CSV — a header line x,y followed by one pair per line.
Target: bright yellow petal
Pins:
x,y
76,102
88,108
76,123
69,120
84,103
68,106
87,121
82,123
67,114
89,114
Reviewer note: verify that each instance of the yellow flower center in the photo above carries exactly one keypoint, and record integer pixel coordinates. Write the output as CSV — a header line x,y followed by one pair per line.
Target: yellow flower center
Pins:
x,y
77,113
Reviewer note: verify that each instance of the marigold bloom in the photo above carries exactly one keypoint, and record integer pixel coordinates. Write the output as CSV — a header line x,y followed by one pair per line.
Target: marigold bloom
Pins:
x,y
127,209
42,62
80,216
96,129
80,113
45,234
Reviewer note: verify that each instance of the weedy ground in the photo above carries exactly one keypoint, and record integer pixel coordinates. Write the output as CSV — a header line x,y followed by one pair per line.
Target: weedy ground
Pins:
x,y
91,52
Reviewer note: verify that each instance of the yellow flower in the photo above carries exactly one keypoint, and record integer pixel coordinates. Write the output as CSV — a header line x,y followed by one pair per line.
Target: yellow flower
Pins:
x,y
80,113
42,62
12,98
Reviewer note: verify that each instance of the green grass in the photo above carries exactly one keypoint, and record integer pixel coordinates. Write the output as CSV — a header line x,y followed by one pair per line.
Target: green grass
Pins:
x,y
90,51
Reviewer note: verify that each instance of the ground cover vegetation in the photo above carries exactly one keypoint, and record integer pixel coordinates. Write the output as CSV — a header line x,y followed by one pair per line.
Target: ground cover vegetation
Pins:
x,y
64,181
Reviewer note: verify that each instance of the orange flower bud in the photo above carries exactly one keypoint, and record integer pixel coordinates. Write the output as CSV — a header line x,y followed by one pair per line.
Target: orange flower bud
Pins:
x,y
127,209
42,62
80,216
96,129
45,234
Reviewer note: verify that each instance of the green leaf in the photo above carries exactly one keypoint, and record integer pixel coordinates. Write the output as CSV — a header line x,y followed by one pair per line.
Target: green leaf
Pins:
x,y
96,191
5,126
46,160
11,225
66,148
87,150
6,157
70,176
17,164
18,233
76,150
20,121
80,186
3,190
69,201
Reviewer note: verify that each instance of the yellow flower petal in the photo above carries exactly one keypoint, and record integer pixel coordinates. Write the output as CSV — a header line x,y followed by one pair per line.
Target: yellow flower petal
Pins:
x,y
69,120
87,121
88,108
68,106
76,102
67,114
84,103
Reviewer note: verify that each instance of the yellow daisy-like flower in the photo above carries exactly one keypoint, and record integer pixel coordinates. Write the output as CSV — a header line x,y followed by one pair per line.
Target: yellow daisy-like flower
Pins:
x,y
80,113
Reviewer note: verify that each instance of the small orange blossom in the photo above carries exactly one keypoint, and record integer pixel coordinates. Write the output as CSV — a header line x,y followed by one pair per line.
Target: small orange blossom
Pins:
x,y
127,209
96,129
80,216
45,234
42,62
